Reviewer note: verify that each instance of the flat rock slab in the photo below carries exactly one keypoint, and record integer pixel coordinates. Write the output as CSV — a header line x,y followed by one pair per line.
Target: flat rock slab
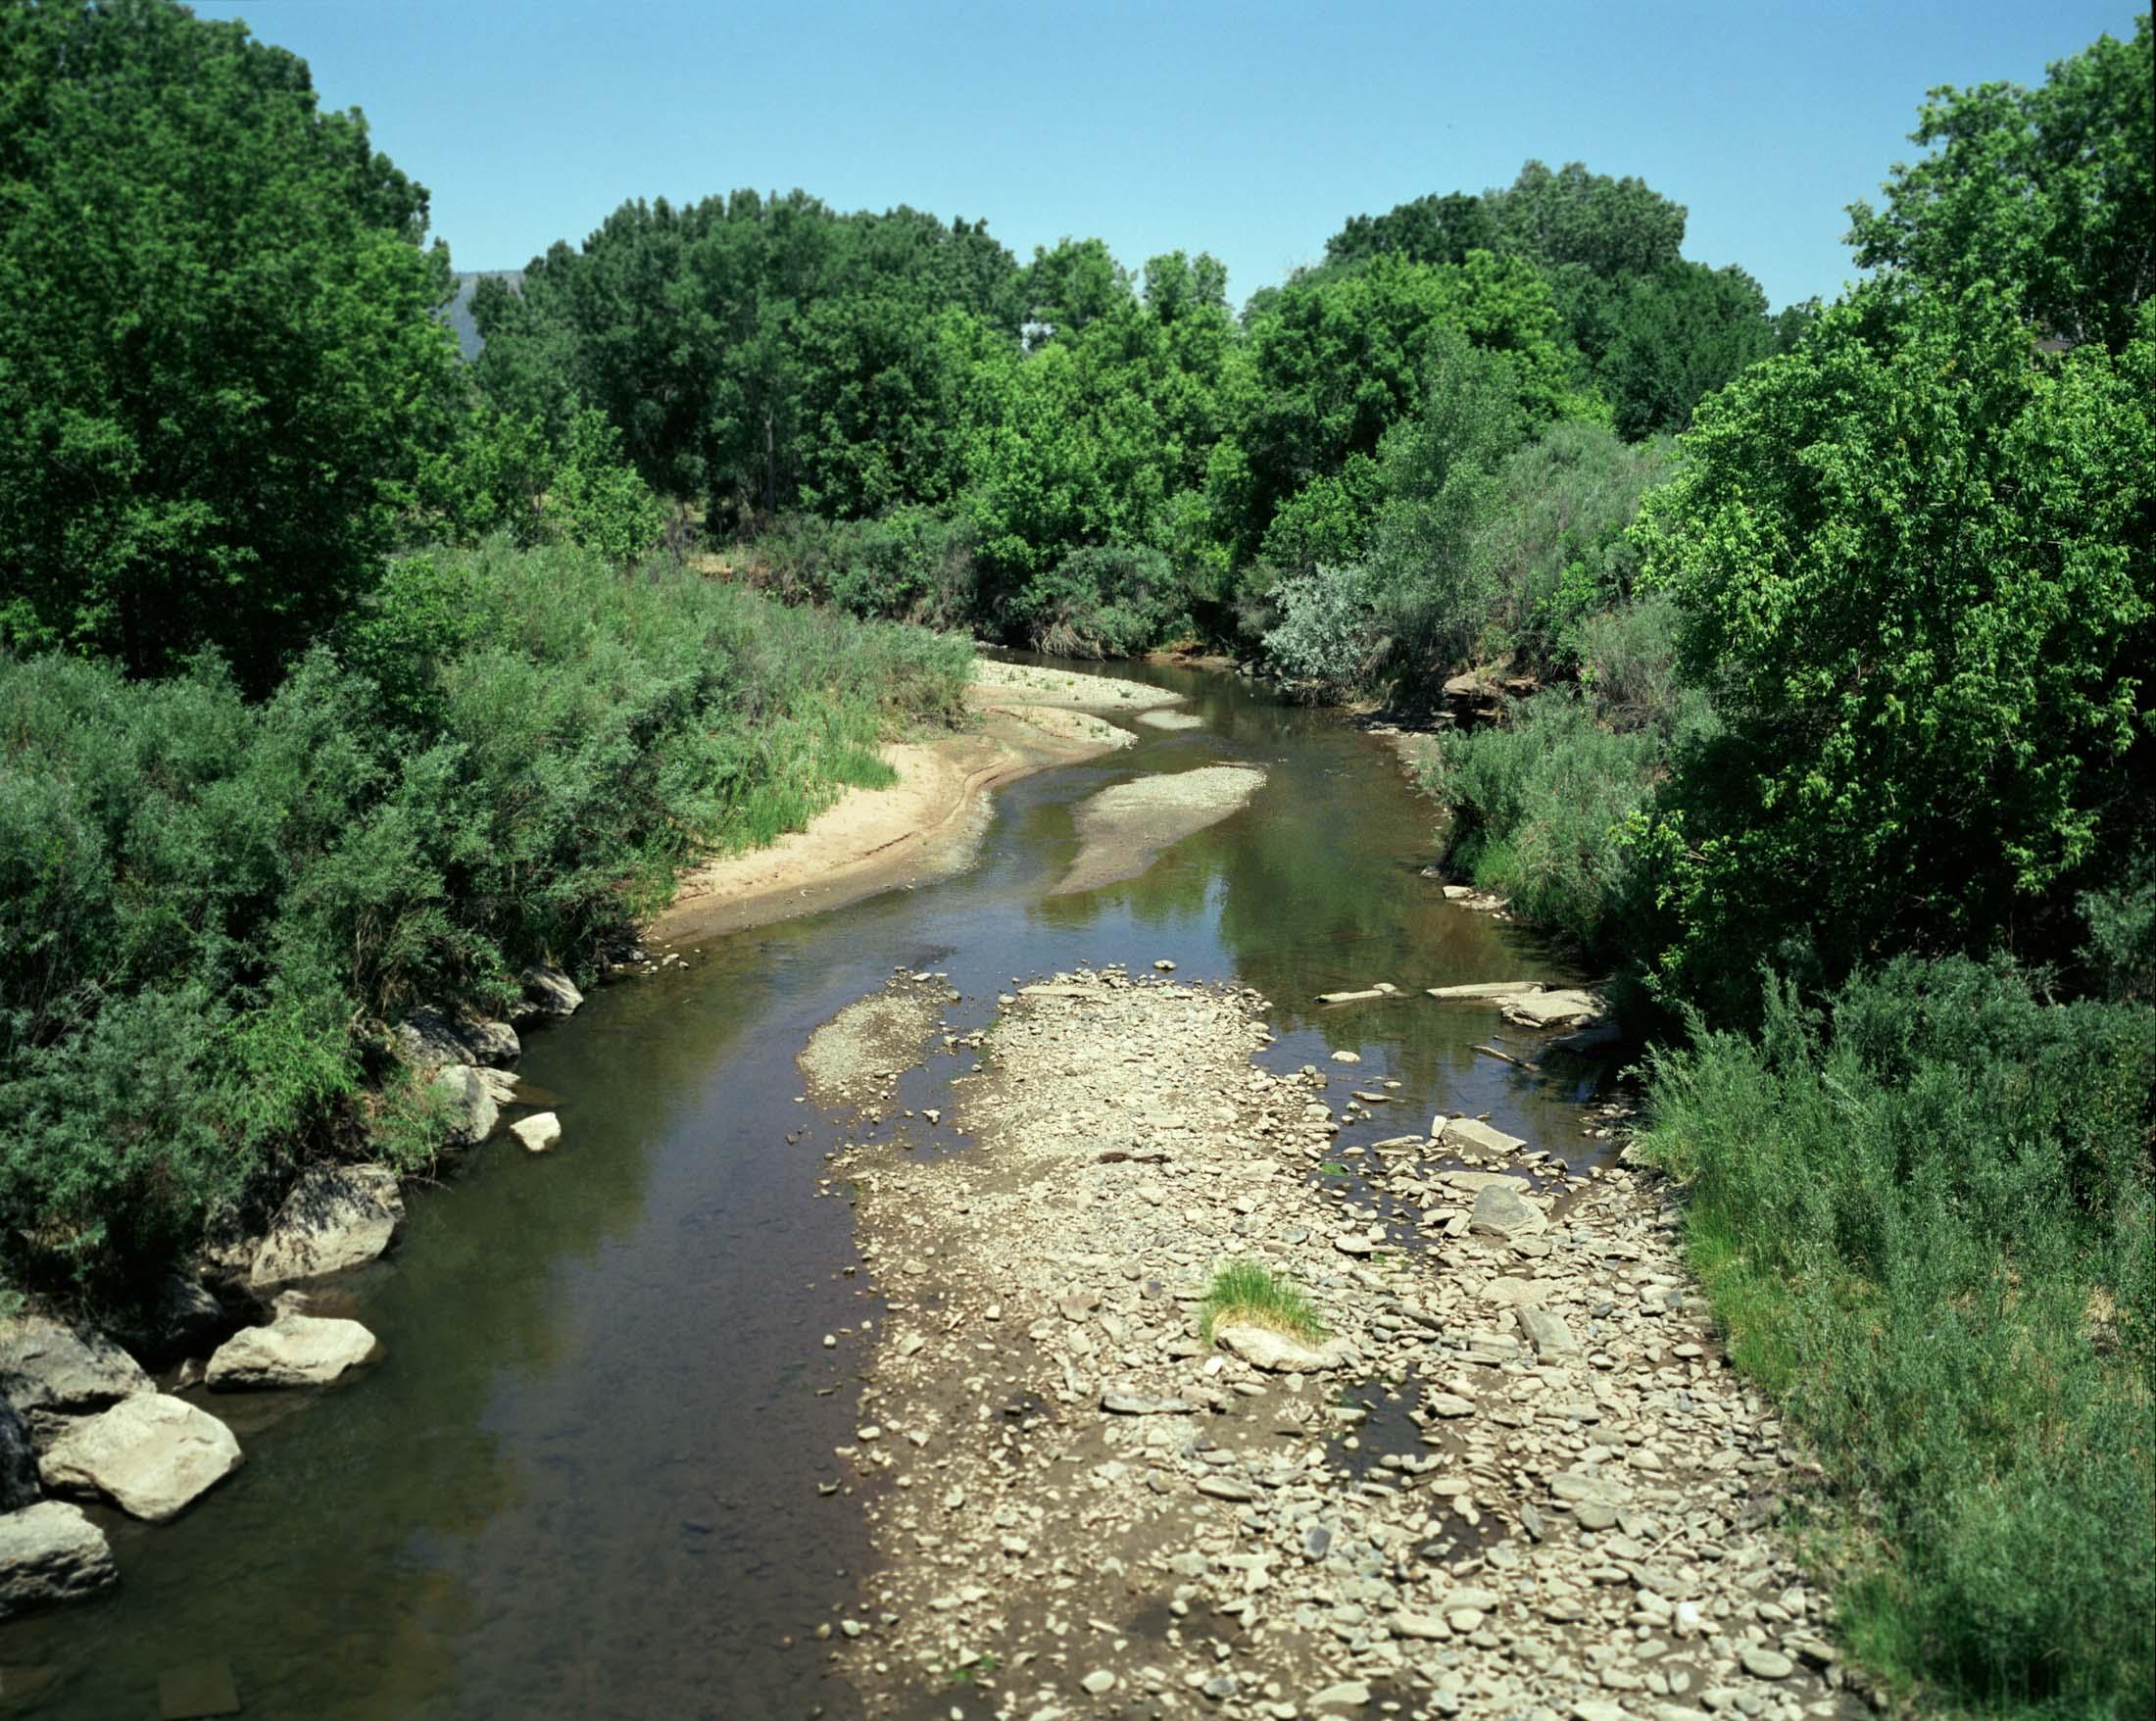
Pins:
x,y
336,1217
293,1350
1383,989
1137,1404
1276,1352
1478,1136
1545,1331
1487,991
151,1455
50,1552
1505,1212
47,1364
1555,1010
1122,828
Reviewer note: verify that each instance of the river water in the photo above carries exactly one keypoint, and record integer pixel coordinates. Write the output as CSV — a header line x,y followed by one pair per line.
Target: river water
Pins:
x,y
583,1480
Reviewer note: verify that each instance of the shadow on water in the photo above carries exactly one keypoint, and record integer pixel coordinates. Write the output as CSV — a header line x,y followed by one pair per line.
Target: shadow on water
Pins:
x,y
583,1480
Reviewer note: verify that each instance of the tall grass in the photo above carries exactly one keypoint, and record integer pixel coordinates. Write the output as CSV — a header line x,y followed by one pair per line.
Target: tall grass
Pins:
x,y
212,904
1928,1223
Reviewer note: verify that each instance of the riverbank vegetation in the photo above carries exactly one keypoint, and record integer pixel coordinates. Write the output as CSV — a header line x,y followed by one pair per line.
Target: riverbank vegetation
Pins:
x,y
323,688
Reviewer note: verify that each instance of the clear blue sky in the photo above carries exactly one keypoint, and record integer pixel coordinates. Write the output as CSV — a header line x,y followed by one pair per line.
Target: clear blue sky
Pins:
x,y
1248,131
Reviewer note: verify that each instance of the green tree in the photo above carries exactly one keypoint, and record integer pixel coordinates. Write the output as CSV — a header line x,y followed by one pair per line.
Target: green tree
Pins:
x,y
219,357
2047,190
1915,563
1430,229
1608,227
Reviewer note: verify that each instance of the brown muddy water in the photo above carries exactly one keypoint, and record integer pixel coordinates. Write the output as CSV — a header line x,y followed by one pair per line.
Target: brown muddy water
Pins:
x,y
585,1480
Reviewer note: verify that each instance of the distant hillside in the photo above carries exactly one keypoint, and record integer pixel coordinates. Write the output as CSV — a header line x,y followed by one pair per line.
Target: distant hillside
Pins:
x,y
460,308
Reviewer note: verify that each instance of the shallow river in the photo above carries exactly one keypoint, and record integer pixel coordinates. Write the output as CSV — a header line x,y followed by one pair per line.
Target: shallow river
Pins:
x,y
583,1481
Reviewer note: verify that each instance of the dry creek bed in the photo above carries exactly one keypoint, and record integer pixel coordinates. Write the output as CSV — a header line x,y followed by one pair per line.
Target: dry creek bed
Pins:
x,y
1527,1486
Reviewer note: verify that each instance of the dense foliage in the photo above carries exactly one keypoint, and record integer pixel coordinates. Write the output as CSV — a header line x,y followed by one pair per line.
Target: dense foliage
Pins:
x,y
497,758
1119,459
1928,1221
218,366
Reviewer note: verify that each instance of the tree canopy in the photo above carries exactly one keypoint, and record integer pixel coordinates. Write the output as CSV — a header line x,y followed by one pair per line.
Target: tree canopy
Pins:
x,y
218,354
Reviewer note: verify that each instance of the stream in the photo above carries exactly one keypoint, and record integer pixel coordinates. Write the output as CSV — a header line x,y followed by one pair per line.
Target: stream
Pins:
x,y
582,1481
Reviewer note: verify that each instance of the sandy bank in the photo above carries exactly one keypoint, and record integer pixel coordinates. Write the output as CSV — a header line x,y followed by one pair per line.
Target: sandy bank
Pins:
x,y
925,825
1122,828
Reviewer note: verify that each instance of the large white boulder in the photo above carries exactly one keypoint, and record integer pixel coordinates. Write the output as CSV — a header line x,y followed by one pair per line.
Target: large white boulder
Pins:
x,y
293,1350
151,1455
50,1552
336,1217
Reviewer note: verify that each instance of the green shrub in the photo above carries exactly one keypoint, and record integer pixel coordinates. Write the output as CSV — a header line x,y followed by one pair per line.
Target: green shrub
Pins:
x,y
210,901
1926,1221
1103,601
1537,812
911,565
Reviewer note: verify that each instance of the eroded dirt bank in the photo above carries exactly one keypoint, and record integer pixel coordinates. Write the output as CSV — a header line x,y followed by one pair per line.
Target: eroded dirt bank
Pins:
x,y
1519,1480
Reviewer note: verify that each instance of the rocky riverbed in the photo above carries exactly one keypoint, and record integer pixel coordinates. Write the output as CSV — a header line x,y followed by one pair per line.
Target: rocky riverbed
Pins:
x,y
1517,1479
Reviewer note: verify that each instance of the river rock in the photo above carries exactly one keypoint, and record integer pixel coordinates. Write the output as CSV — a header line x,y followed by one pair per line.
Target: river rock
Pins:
x,y
150,1454
1547,1332
292,1350
1476,1136
1501,1209
336,1217
50,1552
1276,1352
1555,1010
19,1484
494,1044
186,1321
1485,990
1342,1698
549,995
471,1108
49,1365
538,1132
1137,1404
428,1040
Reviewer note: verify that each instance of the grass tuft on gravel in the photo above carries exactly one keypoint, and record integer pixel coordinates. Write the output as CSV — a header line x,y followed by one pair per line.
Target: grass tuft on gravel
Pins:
x,y
1244,1293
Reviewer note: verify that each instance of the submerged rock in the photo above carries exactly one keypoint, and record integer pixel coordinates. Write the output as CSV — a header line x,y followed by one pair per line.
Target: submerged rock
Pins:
x,y
549,995
1276,1352
336,1217
293,1350
50,1365
152,1455
50,1552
